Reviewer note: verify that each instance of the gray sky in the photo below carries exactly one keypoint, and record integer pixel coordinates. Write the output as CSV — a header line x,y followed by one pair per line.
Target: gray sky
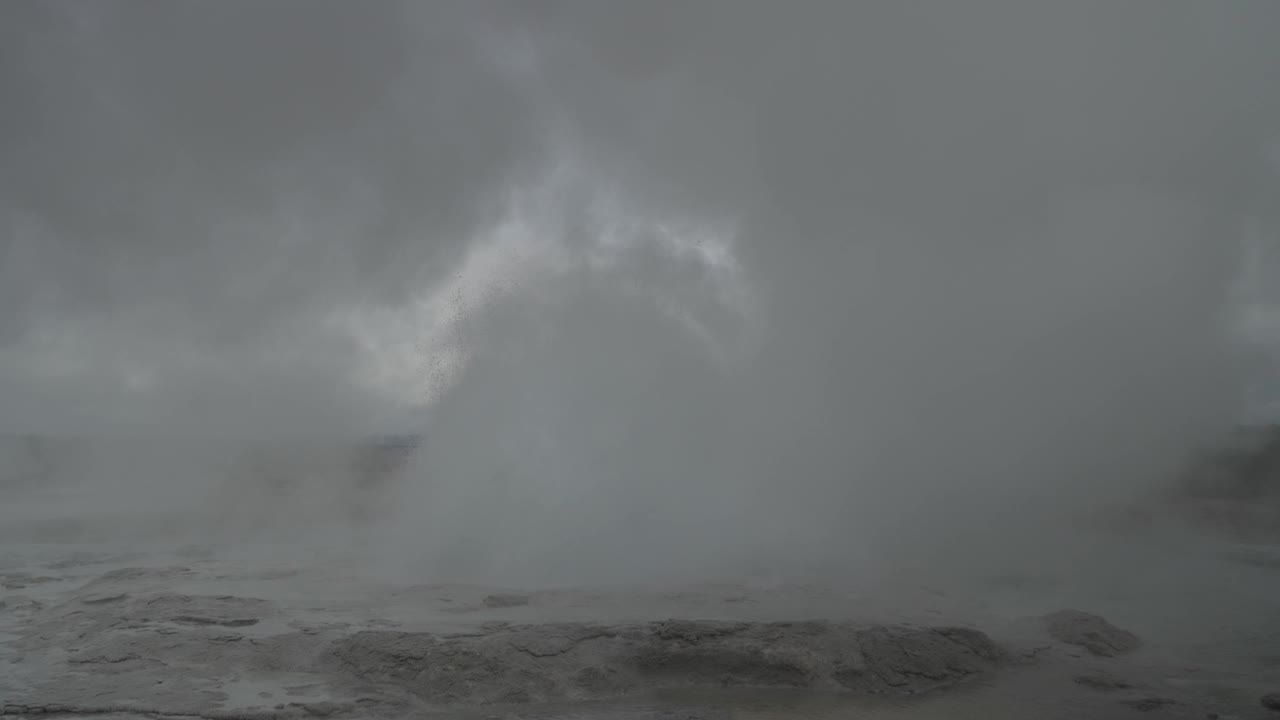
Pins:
x,y
191,190
751,251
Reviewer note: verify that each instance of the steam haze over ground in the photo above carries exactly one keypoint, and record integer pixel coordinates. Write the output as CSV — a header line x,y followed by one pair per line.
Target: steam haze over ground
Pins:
x,y
672,290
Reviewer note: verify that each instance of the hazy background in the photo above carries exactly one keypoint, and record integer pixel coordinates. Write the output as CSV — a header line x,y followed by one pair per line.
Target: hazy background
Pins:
x,y
673,289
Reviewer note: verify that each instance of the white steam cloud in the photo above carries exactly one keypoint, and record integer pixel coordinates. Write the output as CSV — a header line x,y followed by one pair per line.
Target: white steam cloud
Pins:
x,y
671,289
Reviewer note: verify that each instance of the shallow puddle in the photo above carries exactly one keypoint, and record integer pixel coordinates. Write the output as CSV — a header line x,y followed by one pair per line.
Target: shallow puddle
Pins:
x,y
265,690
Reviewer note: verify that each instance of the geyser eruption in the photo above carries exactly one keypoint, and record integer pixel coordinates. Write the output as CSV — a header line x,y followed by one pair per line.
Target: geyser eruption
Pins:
x,y
682,290
988,251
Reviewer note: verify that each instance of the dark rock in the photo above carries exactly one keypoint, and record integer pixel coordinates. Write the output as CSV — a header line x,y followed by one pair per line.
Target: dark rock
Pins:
x,y
1151,703
578,661
505,600
100,599
106,658
323,708
1101,681
1091,632
221,622
1271,701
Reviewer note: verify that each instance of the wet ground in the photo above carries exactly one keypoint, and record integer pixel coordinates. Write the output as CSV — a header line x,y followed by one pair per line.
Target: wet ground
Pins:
x,y
96,620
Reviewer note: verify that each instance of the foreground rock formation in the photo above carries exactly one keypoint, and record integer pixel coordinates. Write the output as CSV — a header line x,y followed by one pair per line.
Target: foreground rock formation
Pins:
x,y
575,661
161,652
232,632
1091,632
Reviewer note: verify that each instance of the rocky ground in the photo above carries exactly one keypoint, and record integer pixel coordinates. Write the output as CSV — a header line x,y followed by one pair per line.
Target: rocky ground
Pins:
x,y
201,633
1159,623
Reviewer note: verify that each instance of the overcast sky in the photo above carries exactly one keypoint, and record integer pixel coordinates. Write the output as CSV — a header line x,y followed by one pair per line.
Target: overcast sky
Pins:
x,y
251,214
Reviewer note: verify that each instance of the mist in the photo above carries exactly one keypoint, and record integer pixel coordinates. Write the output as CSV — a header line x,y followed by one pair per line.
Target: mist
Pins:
x,y
672,291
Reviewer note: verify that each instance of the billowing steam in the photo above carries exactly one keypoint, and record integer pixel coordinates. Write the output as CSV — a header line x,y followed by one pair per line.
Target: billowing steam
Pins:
x,y
672,290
